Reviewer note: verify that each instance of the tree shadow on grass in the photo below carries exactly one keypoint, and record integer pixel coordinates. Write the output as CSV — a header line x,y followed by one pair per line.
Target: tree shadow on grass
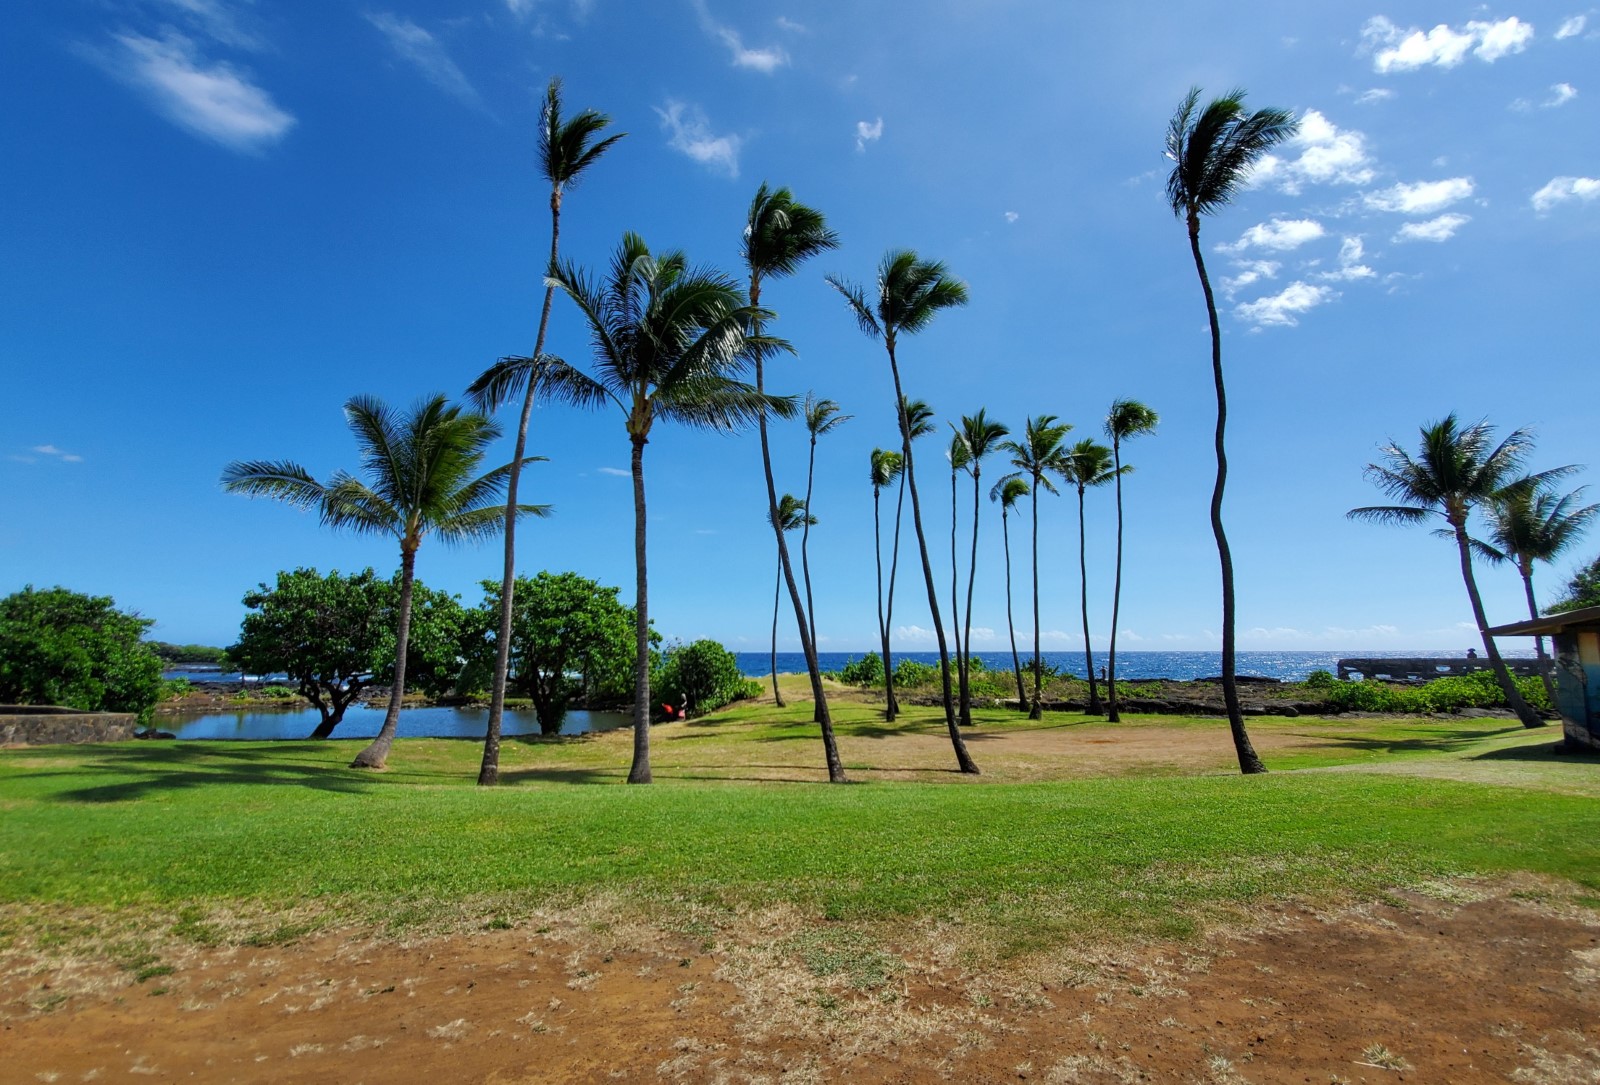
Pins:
x,y
1434,742
148,769
549,774
1544,752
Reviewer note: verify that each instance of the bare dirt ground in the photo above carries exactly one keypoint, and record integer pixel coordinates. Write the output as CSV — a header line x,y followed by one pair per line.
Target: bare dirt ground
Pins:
x,y
1470,982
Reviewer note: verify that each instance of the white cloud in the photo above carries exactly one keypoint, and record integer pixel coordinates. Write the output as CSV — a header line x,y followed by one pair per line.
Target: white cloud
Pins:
x,y
1283,309
418,47
1252,272
1442,228
618,472
791,26
1011,216
1279,235
1421,198
766,60
1560,95
218,20
1572,27
51,451
689,133
1394,49
913,632
1376,94
868,132
213,100
1562,189
1351,252
1327,155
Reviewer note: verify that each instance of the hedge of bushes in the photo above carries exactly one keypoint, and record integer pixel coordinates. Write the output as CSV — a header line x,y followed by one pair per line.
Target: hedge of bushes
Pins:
x,y
1451,693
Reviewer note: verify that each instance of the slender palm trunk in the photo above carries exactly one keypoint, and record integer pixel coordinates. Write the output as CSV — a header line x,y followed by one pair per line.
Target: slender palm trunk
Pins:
x,y
955,607
1036,709
777,588
883,622
972,575
1526,569
1083,598
1249,762
963,758
639,771
1508,686
1011,623
891,701
489,771
830,748
805,568
1112,715
376,755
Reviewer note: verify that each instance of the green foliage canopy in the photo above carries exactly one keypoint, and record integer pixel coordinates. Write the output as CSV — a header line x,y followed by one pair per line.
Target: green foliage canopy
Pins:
x,y
702,677
60,647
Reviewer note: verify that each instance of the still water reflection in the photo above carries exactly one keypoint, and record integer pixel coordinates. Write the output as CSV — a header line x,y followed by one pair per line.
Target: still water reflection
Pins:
x,y
362,722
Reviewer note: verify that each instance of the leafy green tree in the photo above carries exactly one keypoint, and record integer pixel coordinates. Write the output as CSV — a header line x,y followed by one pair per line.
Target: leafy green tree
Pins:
x,y
980,437
1529,523
330,634
1456,470
792,516
884,469
1008,491
186,653
420,469
1088,463
60,647
702,677
567,147
911,292
1036,457
1212,151
780,234
667,341
444,635
1583,590
1127,419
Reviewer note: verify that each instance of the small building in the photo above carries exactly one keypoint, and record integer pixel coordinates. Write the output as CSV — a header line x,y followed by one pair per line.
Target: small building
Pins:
x,y
1577,649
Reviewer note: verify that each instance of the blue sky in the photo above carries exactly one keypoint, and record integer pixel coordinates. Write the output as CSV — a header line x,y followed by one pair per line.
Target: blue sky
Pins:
x,y
222,218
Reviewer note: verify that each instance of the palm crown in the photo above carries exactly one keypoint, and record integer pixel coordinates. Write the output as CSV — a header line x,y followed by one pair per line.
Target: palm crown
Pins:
x,y
822,416
780,234
1212,149
919,417
1128,418
565,150
885,467
1530,523
792,513
1008,491
911,292
981,436
1039,454
1088,463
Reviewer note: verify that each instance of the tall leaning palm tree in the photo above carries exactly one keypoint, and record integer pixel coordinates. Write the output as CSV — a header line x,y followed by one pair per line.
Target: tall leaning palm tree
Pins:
x,y
1212,151
567,147
1088,464
1008,491
667,339
822,417
780,234
911,292
958,457
1456,470
885,468
1528,523
1127,419
981,436
422,479
792,515
919,418
1038,456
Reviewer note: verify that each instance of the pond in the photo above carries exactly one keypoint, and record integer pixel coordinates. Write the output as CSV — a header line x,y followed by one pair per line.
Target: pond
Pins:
x,y
360,722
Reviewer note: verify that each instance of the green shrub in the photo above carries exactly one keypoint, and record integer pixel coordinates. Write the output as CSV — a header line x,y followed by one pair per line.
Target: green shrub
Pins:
x,y
276,693
702,677
1448,694
174,688
1320,679
866,671
909,673
59,647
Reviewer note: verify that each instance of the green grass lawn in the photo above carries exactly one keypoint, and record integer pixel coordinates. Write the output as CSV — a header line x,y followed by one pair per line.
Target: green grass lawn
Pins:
x,y
175,827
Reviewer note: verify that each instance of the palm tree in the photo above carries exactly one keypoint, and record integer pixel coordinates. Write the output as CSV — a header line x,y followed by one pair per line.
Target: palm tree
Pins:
x,y
667,340
885,468
780,234
1128,419
1455,471
566,149
822,417
958,456
1008,491
791,515
421,478
1529,523
911,292
1038,456
1212,151
1088,463
980,436
919,417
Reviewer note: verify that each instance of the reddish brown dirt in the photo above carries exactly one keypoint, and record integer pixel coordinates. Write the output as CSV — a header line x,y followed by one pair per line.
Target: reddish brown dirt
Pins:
x,y
1493,989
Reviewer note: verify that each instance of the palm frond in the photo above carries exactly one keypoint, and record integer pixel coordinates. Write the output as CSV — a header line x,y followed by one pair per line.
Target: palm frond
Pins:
x,y
781,233
476,525
1392,514
1128,418
1009,490
885,467
822,416
856,298
280,479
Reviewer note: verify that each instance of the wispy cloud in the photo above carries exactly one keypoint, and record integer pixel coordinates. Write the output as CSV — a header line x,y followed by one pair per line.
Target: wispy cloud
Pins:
x,y
1279,235
1327,154
213,100
790,26
1373,96
1442,228
1284,308
868,132
1560,95
422,50
1420,198
689,133
224,23
1562,189
1351,253
1397,50
49,452
1251,272
1011,216
618,472
766,60
1572,27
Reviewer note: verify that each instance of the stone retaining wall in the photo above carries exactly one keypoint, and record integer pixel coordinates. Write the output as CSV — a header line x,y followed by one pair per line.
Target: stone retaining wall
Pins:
x,y
47,725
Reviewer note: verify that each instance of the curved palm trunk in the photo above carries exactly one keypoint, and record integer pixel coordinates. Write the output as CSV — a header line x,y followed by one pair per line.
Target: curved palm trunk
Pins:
x,y
1036,709
1112,715
489,771
376,755
820,706
1508,686
892,702
883,622
955,610
777,587
963,758
1083,597
639,772
830,747
972,576
1249,762
1011,623
1526,569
